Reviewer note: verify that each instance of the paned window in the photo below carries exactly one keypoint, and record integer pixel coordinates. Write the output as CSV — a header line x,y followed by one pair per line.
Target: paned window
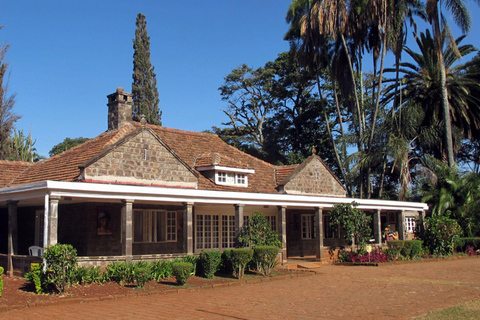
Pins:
x,y
331,231
228,231
231,178
410,224
308,226
154,226
208,234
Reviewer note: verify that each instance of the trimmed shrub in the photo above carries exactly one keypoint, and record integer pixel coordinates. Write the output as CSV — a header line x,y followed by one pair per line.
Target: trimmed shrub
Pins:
x,y
1,281
266,258
60,260
240,258
210,262
415,247
119,272
406,248
182,271
226,265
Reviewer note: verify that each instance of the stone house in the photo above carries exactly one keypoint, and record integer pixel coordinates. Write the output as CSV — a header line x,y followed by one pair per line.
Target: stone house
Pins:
x,y
140,191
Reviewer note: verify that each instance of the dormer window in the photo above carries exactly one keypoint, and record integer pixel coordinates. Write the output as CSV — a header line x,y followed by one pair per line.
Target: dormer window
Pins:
x,y
231,178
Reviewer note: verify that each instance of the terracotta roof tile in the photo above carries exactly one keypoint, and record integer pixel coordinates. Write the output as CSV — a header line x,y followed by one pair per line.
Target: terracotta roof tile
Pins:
x,y
193,148
282,172
65,166
10,170
210,159
189,145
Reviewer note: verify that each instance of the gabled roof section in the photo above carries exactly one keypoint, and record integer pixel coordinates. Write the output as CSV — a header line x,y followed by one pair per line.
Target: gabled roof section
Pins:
x,y
282,172
216,159
190,145
65,166
114,143
312,176
9,170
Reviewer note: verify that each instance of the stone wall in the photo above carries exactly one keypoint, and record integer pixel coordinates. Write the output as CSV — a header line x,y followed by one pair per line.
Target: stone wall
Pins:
x,y
315,179
142,159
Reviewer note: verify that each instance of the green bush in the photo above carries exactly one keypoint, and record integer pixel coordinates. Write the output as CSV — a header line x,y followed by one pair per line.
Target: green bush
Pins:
x,y
210,262
226,266
461,244
161,270
414,247
119,272
37,278
182,271
142,275
265,258
60,259
257,231
193,260
441,234
1,281
240,258
405,248
85,275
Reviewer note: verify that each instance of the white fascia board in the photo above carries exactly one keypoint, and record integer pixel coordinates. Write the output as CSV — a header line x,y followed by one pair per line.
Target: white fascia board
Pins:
x,y
227,169
23,192
150,193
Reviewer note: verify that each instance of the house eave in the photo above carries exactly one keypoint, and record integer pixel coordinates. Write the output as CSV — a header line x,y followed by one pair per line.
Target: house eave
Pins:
x,y
165,194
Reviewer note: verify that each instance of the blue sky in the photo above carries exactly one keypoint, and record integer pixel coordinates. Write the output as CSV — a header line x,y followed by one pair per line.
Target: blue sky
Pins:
x,y
66,56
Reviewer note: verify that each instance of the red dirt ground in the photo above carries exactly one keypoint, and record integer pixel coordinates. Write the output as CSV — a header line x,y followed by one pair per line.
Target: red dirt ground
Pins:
x,y
19,294
391,291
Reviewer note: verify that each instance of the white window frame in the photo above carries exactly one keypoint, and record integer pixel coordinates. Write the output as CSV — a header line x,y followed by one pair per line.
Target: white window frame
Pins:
x,y
410,224
308,226
207,232
150,231
231,178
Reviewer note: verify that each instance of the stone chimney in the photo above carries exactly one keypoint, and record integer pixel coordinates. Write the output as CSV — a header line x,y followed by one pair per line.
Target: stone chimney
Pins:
x,y
119,109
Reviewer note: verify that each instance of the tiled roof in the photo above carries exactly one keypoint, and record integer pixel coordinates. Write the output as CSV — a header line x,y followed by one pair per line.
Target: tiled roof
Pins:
x,y
210,159
282,172
195,149
10,169
190,145
65,166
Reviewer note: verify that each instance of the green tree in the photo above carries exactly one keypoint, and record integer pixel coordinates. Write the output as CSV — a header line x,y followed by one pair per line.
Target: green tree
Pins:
x,y
144,86
421,88
7,102
248,94
440,27
257,231
453,194
66,144
354,222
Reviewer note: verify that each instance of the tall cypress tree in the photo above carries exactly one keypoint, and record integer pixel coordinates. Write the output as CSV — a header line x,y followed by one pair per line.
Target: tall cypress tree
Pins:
x,y
144,86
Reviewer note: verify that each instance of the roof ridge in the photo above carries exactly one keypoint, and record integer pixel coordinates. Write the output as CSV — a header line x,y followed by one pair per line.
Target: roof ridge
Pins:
x,y
249,155
162,128
120,133
17,162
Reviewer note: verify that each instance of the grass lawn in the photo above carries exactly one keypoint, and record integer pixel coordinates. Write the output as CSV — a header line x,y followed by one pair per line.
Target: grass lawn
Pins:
x,y
469,310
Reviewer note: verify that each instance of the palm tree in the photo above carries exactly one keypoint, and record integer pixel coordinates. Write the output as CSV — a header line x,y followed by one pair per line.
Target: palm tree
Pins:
x,y
421,88
461,17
